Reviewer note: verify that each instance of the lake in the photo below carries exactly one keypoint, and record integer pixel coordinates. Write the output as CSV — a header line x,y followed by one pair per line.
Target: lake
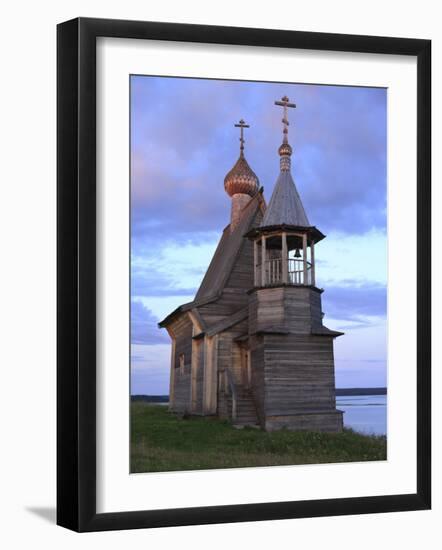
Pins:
x,y
364,413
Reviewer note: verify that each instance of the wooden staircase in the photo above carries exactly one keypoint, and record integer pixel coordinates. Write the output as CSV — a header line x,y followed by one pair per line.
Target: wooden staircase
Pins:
x,y
245,410
239,404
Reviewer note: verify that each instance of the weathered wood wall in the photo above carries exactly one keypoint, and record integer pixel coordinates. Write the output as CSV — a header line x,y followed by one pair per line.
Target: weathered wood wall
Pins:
x,y
241,279
294,309
256,344
234,295
181,403
197,375
231,283
182,330
292,369
299,374
322,422
316,309
229,357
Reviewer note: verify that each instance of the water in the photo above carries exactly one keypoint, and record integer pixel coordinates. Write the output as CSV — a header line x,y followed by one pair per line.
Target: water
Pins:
x,y
364,413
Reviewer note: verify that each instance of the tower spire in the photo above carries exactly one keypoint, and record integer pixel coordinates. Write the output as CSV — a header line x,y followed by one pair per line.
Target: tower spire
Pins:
x,y
285,151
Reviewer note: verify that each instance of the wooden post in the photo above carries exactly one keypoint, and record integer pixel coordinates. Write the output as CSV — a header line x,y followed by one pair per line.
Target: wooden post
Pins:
x,y
172,375
312,259
210,382
285,263
255,263
263,260
304,257
195,366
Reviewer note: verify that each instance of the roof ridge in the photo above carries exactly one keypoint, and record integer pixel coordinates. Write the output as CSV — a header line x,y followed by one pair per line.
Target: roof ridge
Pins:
x,y
228,247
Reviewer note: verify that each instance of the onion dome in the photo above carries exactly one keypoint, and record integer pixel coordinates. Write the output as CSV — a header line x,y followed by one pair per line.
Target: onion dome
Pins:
x,y
241,178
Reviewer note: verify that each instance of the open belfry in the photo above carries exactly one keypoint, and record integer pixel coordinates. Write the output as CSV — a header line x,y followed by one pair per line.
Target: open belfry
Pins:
x,y
251,347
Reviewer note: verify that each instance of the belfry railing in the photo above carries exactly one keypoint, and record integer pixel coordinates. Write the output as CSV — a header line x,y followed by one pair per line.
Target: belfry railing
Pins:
x,y
298,272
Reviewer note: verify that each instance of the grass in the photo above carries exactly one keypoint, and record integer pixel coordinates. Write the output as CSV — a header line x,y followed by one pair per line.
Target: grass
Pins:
x,y
162,442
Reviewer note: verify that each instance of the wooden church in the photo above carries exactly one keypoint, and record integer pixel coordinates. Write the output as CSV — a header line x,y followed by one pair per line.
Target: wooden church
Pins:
x,y
251,347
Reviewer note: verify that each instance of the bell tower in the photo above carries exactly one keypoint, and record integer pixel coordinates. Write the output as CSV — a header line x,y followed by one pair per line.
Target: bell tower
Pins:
x,y
291,350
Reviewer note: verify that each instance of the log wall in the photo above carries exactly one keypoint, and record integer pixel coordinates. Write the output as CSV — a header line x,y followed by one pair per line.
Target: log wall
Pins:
x,y
182,330
256,344
293,309
299,374
240,280
197,375
292,369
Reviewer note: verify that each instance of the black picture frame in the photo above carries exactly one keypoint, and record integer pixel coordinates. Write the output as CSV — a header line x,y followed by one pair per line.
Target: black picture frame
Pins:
x,y
76,273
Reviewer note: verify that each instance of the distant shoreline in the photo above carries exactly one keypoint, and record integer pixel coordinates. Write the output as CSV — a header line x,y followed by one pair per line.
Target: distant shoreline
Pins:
x,y
361,391
339,392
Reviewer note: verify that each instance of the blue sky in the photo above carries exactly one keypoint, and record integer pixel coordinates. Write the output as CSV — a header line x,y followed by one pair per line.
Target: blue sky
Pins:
x,y
183,142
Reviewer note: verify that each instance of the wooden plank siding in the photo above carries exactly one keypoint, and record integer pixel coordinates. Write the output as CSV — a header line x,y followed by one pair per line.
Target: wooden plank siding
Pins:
x,y
234,295
238,281
299,383
229,351
294,309
293,378
182,328
316,309
197,376
256,344
181,402
322,422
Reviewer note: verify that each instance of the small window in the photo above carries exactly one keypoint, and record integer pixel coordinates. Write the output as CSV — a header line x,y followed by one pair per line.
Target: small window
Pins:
x,y
181,364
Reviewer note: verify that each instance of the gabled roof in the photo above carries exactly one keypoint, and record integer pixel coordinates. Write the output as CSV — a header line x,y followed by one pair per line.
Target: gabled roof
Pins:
x,y
227,251
285,206
228,321
223,260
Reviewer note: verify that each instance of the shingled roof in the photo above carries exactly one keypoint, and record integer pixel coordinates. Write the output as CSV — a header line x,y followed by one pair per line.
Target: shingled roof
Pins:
x,y
223,260
227,250
285,206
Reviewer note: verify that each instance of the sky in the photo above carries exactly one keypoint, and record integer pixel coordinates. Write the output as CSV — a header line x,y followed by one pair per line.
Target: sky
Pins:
x,y
183,143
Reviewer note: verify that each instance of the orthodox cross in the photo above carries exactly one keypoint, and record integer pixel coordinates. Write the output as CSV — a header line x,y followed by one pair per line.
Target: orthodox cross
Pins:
x,y
285,103
241,124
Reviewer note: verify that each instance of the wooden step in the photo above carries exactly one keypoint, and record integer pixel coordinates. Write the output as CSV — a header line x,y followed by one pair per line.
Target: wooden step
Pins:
x,y
245,409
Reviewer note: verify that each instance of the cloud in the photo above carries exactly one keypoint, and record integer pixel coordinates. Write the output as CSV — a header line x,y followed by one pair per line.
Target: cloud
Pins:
x,y
143,327
172,270
357,303
184,143
150,369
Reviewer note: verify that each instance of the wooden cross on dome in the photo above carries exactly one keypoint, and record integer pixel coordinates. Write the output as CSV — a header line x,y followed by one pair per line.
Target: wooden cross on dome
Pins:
x,y
241,124
285,102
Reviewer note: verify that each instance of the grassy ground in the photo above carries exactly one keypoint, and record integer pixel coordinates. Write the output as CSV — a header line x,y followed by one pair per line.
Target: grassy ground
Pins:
x,y
162,442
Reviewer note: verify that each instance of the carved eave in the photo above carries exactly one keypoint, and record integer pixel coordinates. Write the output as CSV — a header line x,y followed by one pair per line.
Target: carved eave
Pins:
x,y
313,232
284,330
324,331
187,307
284,285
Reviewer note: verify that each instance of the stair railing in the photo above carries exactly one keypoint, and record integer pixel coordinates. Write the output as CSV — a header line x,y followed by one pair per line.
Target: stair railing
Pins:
x,y
231,388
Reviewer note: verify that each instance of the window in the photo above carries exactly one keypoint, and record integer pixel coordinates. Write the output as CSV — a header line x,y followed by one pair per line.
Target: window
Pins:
x,y
181,363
